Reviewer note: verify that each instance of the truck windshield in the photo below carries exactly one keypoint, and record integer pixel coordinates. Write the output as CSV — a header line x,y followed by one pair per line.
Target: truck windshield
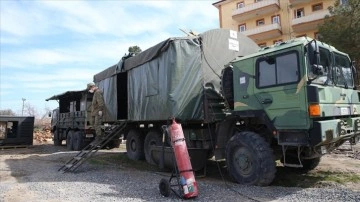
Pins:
x,y
332,69
343,73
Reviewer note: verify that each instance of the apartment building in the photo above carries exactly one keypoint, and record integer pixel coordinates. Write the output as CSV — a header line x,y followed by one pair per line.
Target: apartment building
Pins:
x,y
271,21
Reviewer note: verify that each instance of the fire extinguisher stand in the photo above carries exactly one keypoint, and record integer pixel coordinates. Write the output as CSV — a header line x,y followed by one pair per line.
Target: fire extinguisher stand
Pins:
x,y
182,176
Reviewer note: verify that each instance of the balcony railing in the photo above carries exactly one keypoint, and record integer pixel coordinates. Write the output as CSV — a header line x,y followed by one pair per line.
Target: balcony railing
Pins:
x,y
317,15
296,2
256,10
264,32
309,22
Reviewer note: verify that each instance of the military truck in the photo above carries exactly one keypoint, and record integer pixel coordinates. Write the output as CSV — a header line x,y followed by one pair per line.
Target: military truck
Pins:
x,y
71,121
294,102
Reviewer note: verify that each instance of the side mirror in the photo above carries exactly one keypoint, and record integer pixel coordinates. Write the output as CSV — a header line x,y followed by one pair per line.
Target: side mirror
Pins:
x,y
313,52
317,69
49,114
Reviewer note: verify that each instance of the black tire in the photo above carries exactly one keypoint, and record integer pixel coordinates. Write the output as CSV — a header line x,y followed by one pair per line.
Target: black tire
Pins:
x,y
57,140
250,159
78,141
135,145
153,138
164,187
69,140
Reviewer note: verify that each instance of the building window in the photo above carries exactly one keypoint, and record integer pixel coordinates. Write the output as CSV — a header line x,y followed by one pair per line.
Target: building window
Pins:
x,y
299,13
343,2
260,22
262,45
317,7
275,19
242,28
278,41
240,5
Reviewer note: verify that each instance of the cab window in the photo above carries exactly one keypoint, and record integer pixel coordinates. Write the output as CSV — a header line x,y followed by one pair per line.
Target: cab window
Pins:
x,y
278,70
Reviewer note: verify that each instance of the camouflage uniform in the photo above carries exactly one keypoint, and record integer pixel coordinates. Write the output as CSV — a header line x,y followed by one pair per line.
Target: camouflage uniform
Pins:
x,y
96,106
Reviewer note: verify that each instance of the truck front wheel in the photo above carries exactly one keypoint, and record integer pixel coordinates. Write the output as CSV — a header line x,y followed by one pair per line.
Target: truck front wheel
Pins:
x,y
135,145
250,159
57,140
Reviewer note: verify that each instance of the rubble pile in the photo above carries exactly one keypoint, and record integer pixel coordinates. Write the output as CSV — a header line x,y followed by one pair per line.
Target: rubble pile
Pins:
x,y
42,135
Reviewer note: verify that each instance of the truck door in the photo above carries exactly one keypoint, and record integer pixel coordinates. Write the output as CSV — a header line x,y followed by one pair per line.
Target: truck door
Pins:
x,y
280,89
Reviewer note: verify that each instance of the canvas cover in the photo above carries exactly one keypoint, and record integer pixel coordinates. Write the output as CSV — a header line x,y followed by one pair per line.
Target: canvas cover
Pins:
x,y
170,78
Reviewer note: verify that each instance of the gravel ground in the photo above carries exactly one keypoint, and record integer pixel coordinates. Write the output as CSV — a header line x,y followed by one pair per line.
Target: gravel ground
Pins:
x,y
30,174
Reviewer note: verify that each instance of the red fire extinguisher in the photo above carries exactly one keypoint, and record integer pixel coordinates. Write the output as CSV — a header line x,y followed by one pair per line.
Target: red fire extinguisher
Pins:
x,y
187,178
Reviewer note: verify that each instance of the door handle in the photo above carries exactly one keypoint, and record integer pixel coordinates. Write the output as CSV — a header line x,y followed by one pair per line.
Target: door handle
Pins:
x,y
266,101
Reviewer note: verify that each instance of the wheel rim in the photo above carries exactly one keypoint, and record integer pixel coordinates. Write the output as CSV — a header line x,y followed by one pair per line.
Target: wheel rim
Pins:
x,y
243,161
133,145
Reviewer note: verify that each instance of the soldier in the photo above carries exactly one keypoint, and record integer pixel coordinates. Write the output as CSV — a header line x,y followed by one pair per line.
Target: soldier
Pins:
x,y
97,108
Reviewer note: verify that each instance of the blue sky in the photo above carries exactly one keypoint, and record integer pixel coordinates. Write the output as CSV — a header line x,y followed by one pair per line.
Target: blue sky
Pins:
x,y
49,47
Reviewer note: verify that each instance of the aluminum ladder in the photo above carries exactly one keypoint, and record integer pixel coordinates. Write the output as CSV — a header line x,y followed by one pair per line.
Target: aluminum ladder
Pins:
x,y
92,148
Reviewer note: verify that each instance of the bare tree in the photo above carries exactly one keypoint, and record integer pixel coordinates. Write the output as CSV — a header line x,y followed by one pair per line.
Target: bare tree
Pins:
x,y
7,112
29,110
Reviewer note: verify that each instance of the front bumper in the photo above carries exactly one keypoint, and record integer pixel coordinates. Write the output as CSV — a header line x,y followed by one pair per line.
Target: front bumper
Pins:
x,y
335,132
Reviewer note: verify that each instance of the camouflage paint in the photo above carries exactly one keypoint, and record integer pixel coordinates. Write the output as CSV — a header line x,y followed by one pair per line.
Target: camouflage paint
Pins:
x,y
287,105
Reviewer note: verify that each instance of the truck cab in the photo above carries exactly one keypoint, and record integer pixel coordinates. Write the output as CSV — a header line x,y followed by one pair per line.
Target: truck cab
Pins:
x,y
71,121
299,97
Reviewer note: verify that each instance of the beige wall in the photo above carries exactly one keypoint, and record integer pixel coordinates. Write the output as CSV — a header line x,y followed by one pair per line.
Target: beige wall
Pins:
x,y
286,13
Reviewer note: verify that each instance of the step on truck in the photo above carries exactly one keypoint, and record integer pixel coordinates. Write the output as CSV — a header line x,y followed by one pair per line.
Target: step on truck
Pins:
x,y
71,121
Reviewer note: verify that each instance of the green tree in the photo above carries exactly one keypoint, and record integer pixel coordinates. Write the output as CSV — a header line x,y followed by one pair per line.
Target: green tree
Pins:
x,y
342,29
135,50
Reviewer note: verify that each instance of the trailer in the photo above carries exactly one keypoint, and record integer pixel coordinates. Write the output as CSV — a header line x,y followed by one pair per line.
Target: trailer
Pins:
x,y
16,130
179,77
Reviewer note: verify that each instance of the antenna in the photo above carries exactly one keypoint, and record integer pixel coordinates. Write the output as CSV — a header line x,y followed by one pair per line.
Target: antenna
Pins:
x,y
187,33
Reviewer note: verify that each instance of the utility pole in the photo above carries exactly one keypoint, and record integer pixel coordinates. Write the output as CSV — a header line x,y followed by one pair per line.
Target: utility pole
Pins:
x,y
22,113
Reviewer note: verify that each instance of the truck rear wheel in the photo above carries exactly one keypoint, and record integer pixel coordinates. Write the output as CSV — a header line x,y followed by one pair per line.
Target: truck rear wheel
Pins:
x,y
69,140
250,159
153,138
135,145
78,141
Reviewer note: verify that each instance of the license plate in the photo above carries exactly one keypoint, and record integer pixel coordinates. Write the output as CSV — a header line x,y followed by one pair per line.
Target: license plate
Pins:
x,y
89,135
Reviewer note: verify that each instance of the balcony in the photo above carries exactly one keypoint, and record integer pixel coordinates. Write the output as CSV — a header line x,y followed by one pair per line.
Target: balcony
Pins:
x,y
309,22
255,10
297,2
264,32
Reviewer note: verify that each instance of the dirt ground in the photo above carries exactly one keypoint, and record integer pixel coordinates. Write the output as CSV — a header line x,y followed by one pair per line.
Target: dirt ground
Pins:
x,y
345,160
